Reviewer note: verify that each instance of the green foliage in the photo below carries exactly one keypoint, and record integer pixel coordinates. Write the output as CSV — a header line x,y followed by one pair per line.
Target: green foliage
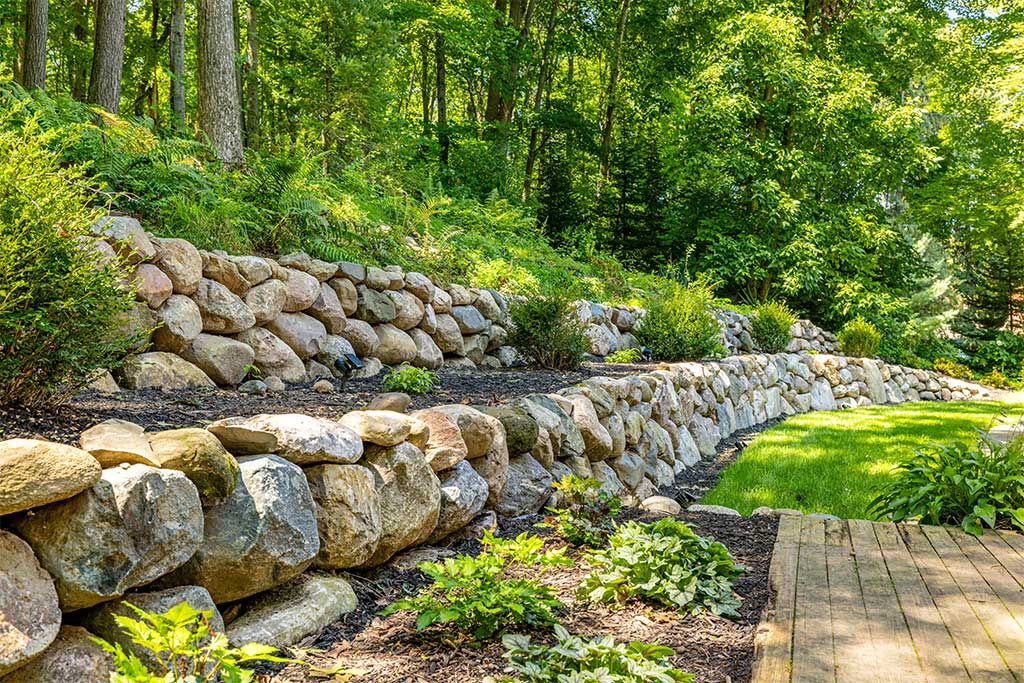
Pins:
x,y
483,596
1004,353
59,308
186,649
547,330
410,379
574,659
625,356
970,486
995,378
587,515
859,338
666,563
680,324
770,326
951,368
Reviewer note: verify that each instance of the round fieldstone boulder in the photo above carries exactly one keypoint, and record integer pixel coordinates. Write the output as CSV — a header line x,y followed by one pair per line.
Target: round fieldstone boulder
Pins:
x,y
72,657
347,514
447,334
263,535
445,446
223,311
374,306
360,334
469,319
224,360
527,487
272,356
201,457
428,355
179,323
162,370
29,614
385,427
302,290
34,473
114,441
408,309
328,309
394,346
151,285
266,301
463,496
477,429
180,261
126,235
301,439
346,293
134,525
304,334
520,428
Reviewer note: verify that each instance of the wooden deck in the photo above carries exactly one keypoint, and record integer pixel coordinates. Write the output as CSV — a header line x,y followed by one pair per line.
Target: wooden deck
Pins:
x,y
865,601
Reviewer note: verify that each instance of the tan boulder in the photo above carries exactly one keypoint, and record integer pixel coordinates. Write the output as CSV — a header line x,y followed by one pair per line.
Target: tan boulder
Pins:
x,y
304,334
29,612
73,656
447,335
126,235
180,322
484,302
301,439
347,514
161,370
114,441
328,310
597,439
346,292
266,301
223,312
408,309
224,270
151,285
253,268
201,457
386,428
445,446
34,473
460,296
478,430
303,289
442,301
272,356
354,272
394,346
420,286
427,353
181,261
377,278
225,360
362,337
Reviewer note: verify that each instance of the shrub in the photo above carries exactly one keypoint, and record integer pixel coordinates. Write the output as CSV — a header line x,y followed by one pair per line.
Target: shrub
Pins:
x,y
626,356
588,513
478,596
547,330
664,562
410,380
973,487
680,324
859,338
951,368
572,658
1005,353
770,326
182,642
60,311
994,378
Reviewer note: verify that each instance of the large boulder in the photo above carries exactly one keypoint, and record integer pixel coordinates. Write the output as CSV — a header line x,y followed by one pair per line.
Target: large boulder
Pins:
x,y
347,295
302,333
180,261
136,324
347,514
428,355
266,301
302,290
263,535
272,356
463,496
223,312
301,439
822,397
445,446
73,656
161,370
202,458
526,489
29,615
597,439
224,270
477,429
394,345
286,615
360,334
328,310
151,285
469,319
408,309
386,427
224,360
134,525
571,441
34,473
521,430
126,235
374,306
493,465
180,321
114,441
410,498
420,286
447,334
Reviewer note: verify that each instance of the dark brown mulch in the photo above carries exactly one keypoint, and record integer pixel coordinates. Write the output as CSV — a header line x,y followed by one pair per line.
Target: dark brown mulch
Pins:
x,y
156,410
390,650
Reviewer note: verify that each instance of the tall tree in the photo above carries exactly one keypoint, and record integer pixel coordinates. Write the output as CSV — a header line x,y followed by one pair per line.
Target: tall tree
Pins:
x,y
443,135
219,108
108,55
37,22
252,78
176,59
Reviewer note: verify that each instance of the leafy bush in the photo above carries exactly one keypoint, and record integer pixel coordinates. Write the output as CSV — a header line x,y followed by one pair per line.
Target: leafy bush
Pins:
x,y
410,380
626,356
680,324
664,562
186,648
588,513
479,597
859,338
995,378
951,368
770,326
576,659
1005,353
973,487
59,310
547,330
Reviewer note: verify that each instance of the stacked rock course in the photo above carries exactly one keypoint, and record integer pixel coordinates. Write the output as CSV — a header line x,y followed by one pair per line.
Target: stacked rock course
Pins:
x,y
256,513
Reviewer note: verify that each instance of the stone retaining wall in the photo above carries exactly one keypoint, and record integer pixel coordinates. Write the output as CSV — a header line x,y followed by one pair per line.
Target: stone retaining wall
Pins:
x,y
252,516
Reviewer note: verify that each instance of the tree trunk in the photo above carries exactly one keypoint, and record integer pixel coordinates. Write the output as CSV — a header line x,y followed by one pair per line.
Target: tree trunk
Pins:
x,y
79,68
493,109
107,55
542,80
176,59
613,81
148,96
219,109
440,59
425,95
252,79
33,74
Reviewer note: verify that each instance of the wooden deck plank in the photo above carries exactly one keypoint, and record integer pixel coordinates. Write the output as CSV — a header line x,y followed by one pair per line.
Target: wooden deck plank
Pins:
x,y
1009,558
998,621
773,644
892,647
992,567
812,531
1013,539
851,633
938,656
979,654
813,660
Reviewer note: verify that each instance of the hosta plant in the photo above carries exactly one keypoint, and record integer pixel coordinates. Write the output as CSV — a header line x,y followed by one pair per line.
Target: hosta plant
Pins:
x,y
484,596
666,563
587,515
969,486
573,659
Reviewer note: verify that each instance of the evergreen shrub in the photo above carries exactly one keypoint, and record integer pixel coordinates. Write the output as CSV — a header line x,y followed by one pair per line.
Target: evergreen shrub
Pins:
x,y
546,329
859,338
681,324
770,326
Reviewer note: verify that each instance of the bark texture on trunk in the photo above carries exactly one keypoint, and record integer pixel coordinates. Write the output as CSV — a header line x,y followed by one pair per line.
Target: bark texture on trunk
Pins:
x,y
107,55
252,79
176,58
37,23
440,59
219,109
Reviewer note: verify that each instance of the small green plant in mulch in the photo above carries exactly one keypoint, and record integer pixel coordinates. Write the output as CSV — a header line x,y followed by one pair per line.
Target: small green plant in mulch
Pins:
x,y
972,487
624,356
587,515
410,380
769,326
486,595
574,659
665,563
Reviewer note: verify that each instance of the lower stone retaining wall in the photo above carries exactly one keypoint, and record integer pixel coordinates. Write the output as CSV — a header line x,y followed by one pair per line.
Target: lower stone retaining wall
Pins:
x,y
252,516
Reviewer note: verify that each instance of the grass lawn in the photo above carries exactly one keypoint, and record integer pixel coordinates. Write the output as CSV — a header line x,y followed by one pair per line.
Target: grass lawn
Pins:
x,y
836,461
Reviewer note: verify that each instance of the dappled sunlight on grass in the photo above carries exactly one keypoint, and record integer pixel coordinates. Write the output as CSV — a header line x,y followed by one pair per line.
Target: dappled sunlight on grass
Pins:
x,y
837,461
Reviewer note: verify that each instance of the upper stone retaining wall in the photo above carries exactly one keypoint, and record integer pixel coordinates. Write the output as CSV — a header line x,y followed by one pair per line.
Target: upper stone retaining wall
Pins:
x,y
217,315
238,512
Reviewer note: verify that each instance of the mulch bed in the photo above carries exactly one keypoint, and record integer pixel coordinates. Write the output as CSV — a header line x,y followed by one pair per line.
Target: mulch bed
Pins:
x,y
390,650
